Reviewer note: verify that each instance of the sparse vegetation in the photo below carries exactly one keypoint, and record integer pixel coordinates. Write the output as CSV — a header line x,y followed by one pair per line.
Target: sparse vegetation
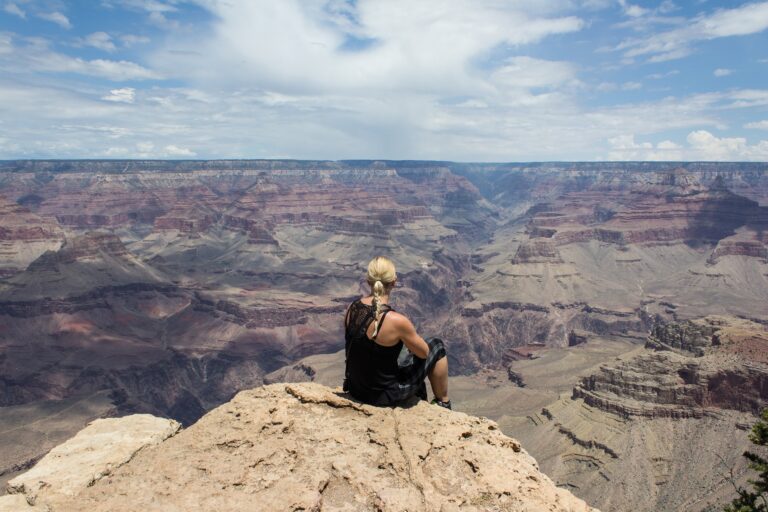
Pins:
x,y
755,500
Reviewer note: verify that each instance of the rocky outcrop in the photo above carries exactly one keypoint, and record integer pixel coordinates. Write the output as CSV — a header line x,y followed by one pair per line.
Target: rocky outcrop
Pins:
x,y
92,245
298,447
537,251
300,372
697,368
692,338
93,453
577,337
739,247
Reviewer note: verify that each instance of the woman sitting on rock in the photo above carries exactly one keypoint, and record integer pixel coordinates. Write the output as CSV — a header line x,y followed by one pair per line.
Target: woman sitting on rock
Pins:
x,y
373,346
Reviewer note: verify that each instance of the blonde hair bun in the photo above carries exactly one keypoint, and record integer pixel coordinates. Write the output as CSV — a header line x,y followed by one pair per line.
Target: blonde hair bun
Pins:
x,y
381,269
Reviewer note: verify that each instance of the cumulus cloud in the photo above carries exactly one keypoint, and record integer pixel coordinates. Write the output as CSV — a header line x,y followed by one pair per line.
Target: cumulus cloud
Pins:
x,y
624,147
719,72
124,95
371,45
677,43
711,147
701,145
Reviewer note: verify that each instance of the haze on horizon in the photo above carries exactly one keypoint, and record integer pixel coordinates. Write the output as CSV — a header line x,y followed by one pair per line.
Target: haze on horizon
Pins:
x,y
482,80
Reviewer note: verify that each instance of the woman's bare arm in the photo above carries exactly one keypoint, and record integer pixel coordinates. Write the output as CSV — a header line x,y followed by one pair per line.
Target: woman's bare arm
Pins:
x,y
410,337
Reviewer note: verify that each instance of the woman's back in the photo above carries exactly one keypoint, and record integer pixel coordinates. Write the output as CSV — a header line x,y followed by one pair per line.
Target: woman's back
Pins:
x,y
371,366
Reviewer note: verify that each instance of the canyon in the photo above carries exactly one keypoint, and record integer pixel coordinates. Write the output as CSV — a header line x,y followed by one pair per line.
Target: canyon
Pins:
x,y
600,312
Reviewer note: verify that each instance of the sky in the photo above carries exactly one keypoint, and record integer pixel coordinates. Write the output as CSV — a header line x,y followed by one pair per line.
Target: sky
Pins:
x,y
460,80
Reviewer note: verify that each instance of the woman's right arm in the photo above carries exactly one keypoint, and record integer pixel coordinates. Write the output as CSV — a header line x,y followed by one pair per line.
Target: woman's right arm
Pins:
x,y
411,338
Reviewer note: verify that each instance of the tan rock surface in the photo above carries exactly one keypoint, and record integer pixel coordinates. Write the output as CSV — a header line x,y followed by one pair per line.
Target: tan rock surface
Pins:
x,y
306,447
95,451
14,503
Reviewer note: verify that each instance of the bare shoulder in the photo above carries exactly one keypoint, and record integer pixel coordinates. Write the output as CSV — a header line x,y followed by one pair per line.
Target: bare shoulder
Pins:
x,y
400,321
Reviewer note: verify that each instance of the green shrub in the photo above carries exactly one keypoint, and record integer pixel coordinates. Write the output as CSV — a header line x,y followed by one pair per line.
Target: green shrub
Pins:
x,y
755,500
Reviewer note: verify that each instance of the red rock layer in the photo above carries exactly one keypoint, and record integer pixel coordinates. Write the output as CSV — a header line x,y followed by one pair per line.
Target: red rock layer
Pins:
x,y
664,385
681,214
23,236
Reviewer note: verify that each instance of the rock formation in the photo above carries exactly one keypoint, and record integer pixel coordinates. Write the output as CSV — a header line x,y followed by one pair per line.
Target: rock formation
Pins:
x,y
293,447
663,427
93,453
24,236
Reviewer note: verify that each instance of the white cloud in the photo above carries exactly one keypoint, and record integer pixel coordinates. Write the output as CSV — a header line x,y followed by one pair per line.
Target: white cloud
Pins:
x,y
12,8
624,147
428,46
156,10
757,125
116,70
129,40
57,18
711,147
123,95
720,72
746,98
366,79
659,76
702,145
144,5
254,123
148,150
526,72
98,40
633,11
612,86
674,44
173,150
37,56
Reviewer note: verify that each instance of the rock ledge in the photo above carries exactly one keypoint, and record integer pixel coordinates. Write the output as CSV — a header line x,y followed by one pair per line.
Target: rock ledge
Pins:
x,y
308,447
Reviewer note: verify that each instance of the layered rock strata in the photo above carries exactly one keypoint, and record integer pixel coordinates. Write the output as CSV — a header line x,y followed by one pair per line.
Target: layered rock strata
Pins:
x,y
24,236
666,385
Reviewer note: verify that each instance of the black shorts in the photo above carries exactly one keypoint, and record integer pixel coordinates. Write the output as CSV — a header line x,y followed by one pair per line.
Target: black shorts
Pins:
x,y
413,371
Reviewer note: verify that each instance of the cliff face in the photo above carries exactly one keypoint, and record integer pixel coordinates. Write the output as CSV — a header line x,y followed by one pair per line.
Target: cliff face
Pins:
x,y
293,447
662,427
24,236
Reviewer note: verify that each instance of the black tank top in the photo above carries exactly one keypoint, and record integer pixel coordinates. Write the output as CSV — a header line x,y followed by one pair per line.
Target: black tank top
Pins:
x,y
371,371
